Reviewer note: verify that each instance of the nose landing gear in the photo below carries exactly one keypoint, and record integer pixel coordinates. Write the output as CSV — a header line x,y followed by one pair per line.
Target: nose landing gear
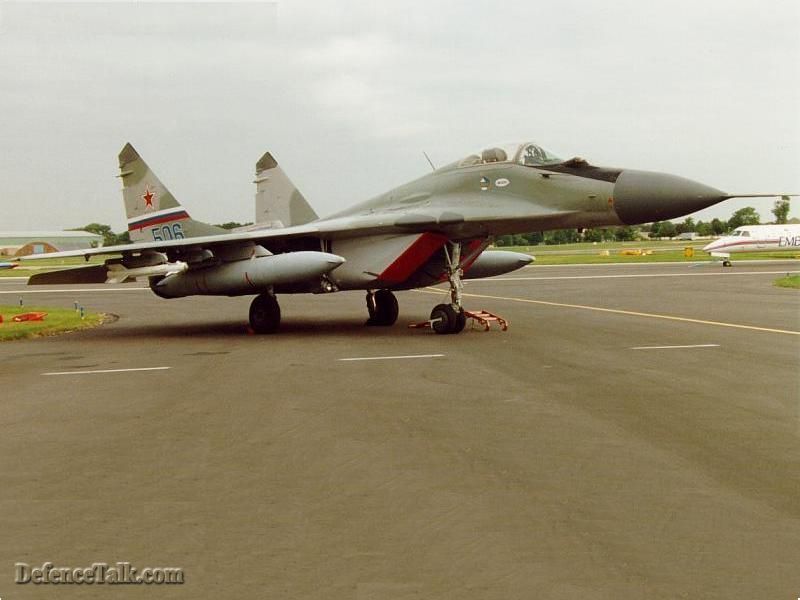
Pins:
x,y
450,318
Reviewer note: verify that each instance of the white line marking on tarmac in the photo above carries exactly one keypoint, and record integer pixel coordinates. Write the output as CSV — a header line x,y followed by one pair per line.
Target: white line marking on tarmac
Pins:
x,y
391,357
74,291
618,312
107,371
671,347
628,276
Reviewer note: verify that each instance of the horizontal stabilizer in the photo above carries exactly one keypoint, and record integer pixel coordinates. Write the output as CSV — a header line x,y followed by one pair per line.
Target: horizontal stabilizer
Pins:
x,y
90,274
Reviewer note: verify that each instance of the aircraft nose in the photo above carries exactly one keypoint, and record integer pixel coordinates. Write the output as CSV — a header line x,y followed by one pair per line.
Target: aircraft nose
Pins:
x,y
645,196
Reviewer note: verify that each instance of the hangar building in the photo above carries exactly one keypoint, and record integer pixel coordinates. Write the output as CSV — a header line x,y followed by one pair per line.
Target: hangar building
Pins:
x,y
22,243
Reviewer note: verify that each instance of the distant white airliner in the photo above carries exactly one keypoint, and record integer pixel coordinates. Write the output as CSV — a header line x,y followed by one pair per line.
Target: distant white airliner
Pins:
x,y
755,238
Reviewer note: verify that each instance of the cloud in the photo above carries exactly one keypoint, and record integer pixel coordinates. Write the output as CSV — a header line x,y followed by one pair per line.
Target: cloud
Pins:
x,y
203,89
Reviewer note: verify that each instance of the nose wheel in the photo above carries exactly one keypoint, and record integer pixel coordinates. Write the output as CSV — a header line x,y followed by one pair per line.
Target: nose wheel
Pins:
x,y
446,319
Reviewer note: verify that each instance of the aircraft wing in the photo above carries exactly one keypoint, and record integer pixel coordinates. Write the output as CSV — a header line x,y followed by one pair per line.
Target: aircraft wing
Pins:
x,y
191,242
459,225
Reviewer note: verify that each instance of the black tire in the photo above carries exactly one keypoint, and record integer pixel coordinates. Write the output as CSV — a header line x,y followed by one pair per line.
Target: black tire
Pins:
x,y
387,308
460,322
443,318
382,308
726,263
265,314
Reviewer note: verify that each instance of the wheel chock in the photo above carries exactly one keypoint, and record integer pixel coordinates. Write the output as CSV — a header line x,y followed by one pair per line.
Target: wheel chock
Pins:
x,y
482,317
485,318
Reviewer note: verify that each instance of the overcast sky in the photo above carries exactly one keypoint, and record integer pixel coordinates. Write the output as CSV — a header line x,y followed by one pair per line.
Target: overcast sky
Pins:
x,y
347,95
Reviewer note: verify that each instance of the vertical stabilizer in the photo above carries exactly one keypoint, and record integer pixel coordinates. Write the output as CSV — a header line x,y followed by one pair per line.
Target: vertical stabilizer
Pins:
x,y
278,202
152,212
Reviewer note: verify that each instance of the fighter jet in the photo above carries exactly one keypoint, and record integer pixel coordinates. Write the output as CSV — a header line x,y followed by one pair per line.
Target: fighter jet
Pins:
x,y
432,230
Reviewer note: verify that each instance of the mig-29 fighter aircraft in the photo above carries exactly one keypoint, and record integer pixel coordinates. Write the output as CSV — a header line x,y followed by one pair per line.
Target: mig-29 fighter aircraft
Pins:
x,y
431,230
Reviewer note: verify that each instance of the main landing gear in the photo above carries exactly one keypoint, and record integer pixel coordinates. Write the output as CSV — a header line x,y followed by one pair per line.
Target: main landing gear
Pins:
x,y
382,308
265,314
450,318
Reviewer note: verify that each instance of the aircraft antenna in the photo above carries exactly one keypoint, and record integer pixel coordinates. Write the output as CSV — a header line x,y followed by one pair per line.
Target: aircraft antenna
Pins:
x,y
428,158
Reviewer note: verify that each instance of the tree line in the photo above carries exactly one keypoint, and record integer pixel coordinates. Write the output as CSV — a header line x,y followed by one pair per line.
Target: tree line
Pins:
x,y
660,229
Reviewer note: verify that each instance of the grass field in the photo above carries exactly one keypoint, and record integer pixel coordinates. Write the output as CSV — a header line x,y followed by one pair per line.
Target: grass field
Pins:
x,y
790,281
58,320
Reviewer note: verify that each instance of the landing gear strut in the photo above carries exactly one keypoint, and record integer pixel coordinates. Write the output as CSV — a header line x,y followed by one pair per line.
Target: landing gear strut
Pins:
x,y
382,307
450,318
265,314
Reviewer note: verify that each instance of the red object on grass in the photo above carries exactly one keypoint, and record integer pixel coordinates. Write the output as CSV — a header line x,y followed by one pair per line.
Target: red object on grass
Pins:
x,y
31,316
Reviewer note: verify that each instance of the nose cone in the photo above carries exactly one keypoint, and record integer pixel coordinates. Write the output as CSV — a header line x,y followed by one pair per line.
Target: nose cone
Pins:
x,y
644,196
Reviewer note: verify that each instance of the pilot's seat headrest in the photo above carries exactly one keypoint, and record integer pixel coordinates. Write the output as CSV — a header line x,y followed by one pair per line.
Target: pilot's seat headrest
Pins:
x,y
494,155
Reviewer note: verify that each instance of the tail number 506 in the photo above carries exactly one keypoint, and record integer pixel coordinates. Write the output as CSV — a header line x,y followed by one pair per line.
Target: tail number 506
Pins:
x,y
167,232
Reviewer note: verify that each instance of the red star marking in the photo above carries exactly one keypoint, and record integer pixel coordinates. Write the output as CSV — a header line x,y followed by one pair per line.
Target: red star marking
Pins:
x,y
148,198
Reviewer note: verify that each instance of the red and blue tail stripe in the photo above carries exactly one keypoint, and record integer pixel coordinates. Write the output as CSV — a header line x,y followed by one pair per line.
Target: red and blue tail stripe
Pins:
x,y
157,218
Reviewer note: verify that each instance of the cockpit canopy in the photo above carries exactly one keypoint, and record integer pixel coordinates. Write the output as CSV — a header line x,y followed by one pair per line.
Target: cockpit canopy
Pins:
x,y
739,232
528,154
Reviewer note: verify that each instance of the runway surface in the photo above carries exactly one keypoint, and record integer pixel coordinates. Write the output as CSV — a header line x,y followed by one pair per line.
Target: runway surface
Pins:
x,y
634,434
